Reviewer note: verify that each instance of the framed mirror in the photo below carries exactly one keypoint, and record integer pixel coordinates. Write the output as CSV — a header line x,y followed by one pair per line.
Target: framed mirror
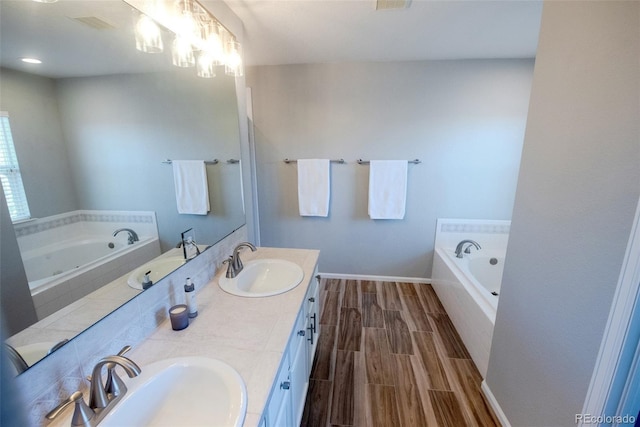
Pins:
x,y
95,128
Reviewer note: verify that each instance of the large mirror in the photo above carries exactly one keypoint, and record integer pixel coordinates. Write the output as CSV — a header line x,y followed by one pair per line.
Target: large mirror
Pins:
x,y
94,125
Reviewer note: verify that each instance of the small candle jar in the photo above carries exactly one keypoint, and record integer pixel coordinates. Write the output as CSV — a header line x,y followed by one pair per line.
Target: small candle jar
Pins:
x,y
179,315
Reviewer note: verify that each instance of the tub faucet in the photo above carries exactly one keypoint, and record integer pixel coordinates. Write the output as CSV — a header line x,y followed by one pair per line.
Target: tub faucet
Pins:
x,y
467,250
133,236
235,263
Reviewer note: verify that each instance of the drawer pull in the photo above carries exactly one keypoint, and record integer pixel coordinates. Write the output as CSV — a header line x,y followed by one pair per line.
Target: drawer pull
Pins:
x,y
285,385
312,299
301,333
310,339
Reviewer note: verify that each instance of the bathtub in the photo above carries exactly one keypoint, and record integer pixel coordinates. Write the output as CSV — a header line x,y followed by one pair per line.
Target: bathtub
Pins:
x,y
468,301
50,265
469,287
70,255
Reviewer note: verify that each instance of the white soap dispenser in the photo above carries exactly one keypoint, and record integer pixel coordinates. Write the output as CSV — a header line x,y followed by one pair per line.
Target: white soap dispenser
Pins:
x,y
190,294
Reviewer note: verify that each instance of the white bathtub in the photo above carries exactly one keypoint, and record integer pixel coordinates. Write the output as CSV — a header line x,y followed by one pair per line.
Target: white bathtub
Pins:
x,y
470,304
68,256
53,264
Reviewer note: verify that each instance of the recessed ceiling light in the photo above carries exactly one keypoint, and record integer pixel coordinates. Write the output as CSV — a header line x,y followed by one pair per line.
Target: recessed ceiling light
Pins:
x,y
31,60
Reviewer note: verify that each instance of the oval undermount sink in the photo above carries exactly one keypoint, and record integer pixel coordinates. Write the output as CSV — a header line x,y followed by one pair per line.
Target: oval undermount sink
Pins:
x,y
185,391
159,268
263,278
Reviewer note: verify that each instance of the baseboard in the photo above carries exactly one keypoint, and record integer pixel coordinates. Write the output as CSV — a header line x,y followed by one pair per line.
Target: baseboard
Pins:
x,y
495,405
377,278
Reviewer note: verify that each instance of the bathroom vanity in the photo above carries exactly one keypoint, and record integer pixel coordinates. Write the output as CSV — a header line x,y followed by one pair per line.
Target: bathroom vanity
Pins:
x,y
270,341
288,393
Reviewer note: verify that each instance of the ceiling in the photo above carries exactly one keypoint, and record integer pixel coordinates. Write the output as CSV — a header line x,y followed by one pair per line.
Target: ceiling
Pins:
x,y
276,32
313,31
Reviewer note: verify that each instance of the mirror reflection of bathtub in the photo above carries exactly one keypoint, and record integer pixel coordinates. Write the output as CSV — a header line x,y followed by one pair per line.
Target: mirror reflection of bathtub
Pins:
x,y
70,255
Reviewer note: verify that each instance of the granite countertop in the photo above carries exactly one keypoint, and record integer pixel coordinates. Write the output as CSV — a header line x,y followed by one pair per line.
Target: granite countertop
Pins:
x,y
250,334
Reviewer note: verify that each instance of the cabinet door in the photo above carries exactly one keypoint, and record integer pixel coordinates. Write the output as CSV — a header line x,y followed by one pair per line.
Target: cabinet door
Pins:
x,y
299,371
280,396
313,320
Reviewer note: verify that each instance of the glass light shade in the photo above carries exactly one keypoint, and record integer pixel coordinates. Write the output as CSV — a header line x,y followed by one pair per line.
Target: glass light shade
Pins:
x,y
148,35
184,20
233,63
205,66
182,52
213,42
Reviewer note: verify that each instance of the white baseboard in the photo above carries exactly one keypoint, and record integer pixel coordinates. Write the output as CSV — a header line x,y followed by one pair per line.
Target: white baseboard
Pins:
x,y
377,278
495,405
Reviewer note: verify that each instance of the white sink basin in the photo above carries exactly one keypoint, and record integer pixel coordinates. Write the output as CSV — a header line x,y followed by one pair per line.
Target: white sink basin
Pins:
x,y
263,278
159,268
186,391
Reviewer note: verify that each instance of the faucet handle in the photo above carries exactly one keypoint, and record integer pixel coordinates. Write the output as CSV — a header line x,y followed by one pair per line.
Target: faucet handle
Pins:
x,y
230,270
82,414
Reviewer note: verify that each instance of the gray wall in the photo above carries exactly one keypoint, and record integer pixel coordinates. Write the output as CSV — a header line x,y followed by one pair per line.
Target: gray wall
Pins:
x,y
35,125
576,198
120,128
464,119
16,306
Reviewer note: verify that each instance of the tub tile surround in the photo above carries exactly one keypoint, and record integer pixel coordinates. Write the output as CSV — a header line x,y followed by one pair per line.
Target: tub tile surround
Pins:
x,y
59,227
473,322
488,233
55,378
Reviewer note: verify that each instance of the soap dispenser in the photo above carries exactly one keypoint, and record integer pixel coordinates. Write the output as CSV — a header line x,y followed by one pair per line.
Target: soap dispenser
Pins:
x,y
190,294
146,281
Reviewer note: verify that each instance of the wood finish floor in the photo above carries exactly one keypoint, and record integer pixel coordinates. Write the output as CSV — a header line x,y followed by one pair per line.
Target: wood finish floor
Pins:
x,y
388,355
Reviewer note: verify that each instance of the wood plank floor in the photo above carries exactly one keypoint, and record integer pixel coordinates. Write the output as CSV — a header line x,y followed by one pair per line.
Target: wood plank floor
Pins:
x,y
388,355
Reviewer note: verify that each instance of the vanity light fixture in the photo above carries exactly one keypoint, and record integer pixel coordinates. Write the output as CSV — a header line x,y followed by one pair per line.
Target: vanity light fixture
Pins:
x,y
196,33
45,1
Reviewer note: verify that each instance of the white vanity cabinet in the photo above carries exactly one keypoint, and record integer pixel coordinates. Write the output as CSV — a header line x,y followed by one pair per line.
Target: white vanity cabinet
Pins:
x,y
289,391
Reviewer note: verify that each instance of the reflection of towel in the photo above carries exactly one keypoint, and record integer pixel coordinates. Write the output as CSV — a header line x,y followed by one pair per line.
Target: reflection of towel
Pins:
x,y
192,190
313,187
387,189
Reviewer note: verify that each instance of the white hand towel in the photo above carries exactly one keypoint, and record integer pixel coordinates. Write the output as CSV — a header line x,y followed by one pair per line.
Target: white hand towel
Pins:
x,y
313,187
192,189
387,189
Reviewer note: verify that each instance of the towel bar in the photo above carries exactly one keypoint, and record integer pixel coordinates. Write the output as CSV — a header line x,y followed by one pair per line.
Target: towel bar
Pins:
x,y
341,161
366,162
206,162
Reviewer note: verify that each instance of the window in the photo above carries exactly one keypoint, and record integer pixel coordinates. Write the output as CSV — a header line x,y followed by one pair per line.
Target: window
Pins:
x,y
10,173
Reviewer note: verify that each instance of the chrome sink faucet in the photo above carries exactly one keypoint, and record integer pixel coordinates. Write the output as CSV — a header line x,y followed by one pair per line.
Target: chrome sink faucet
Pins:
x,y
99,398
234,262
133,236
102,398
468,248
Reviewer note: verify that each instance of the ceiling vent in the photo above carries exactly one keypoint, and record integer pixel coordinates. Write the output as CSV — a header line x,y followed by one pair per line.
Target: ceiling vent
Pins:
x,y
94,22
392,4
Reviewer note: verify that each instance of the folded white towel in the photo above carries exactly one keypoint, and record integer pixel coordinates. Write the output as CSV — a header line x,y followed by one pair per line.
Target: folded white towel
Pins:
x,y
192,189
387,189
313,187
